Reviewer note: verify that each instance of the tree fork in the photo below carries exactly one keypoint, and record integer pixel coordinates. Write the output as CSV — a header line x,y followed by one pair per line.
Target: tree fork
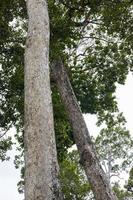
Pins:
x,y
95,174
41,167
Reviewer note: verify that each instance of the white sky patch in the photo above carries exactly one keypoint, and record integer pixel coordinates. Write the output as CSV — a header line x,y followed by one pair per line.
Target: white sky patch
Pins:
x,y
9,176
91,121
125,101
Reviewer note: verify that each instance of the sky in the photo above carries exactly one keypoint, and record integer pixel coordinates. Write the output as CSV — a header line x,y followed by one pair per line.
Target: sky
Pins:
x,y
9,176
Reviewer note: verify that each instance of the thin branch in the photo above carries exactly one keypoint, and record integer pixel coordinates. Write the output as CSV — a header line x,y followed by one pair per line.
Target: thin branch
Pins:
x,y
117,175
97,38
21,40
2,135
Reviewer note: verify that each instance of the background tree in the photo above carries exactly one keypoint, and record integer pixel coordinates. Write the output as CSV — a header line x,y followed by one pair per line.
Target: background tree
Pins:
x,y
114,146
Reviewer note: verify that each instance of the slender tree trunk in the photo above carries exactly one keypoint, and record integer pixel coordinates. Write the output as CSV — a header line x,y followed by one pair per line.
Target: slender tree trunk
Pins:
x,y
41,174
89,160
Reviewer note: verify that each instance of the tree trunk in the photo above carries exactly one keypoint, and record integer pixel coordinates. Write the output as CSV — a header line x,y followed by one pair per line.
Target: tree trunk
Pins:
x,y
94,172
41,174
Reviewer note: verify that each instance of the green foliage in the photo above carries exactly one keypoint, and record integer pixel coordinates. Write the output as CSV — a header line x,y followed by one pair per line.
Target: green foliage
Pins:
x,y
73,180
21,182
63,131
129,185
114,146
121,193
5,145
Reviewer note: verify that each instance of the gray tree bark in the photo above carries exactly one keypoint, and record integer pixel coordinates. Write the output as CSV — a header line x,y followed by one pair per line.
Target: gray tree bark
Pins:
x,y
41,168
93,169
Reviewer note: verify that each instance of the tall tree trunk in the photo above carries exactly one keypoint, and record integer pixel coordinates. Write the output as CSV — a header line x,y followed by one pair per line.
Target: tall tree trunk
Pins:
x,y
94,172
41,174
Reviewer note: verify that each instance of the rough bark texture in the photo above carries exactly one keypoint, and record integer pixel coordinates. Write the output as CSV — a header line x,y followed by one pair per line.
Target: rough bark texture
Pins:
x,y
89,160
41,174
